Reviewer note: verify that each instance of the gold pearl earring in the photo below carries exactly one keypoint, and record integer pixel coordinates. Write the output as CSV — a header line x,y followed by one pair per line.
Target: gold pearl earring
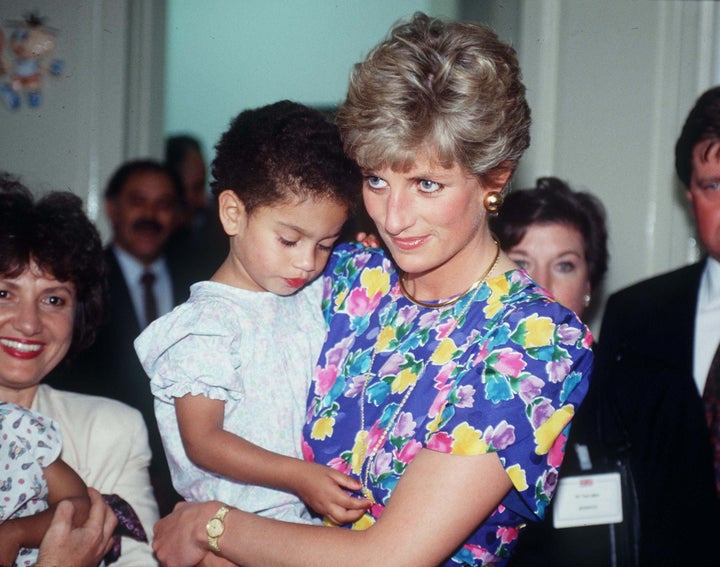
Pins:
x,y
493,201
586,299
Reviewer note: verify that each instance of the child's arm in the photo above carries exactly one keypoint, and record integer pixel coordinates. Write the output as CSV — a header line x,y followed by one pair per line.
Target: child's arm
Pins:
x,y
211,447
63,484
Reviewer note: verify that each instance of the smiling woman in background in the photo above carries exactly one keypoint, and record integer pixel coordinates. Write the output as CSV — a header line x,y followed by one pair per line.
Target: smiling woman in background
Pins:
x,y
52,297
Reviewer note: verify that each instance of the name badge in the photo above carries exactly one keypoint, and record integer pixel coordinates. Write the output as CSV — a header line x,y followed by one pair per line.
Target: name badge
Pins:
x,y
588,500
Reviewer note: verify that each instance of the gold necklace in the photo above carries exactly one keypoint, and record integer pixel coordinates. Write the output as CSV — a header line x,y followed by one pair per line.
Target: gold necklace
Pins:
x,y
456,298
367,458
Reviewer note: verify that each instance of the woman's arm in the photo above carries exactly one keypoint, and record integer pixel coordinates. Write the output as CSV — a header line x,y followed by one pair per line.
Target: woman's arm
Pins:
x,y
63,484
210,446
440,500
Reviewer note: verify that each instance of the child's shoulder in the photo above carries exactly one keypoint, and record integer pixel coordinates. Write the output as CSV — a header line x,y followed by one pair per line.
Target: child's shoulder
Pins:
x,y
207,311
14,412
215,300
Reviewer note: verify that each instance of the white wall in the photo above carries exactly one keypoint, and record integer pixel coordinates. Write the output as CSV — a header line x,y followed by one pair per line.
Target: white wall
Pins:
x,y
610,84
225,56
105,106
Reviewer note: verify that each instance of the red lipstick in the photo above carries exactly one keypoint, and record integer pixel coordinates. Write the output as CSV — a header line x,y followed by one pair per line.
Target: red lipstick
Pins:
x,y
296,283
21,348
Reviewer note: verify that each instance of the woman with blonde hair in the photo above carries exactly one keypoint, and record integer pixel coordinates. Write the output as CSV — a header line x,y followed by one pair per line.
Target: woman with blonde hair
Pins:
x,y
448,378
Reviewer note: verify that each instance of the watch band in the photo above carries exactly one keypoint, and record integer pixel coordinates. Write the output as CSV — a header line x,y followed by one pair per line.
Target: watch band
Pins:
x,y
216,527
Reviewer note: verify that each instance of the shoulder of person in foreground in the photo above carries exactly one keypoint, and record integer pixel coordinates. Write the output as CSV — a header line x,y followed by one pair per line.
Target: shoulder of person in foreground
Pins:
x,y
642,311
648,294
106,442
539,347
348,259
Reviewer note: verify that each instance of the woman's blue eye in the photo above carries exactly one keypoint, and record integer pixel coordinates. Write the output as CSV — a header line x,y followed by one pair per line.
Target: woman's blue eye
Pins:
x,y
375,182
428,186
566,267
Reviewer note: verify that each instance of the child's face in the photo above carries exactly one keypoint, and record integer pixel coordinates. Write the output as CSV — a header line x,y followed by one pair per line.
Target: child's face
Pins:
x,y
282,247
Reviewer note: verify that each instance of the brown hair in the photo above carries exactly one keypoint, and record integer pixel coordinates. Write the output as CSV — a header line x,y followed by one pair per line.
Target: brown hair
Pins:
x,y
451,90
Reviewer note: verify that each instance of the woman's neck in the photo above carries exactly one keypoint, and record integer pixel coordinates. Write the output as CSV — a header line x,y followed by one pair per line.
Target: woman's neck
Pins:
x,y
475,262
23,397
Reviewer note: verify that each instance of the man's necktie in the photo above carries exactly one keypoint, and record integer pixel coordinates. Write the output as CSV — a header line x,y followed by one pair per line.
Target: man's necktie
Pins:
x,y
149,303
711,398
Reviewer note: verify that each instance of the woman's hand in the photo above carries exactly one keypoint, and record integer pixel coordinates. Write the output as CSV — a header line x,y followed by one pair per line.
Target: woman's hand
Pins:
x,y
83,546
212,560
180,539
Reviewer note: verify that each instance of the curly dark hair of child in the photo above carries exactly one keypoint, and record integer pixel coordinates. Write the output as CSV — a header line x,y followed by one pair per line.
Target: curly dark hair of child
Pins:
x,y
284,151
54,234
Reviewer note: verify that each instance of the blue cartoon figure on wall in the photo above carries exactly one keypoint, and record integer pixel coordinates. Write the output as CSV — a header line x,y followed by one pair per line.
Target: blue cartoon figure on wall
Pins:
x,y
30,46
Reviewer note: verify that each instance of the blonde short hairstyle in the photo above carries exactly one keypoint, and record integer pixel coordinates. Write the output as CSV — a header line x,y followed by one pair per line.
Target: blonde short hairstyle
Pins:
x,y
447,90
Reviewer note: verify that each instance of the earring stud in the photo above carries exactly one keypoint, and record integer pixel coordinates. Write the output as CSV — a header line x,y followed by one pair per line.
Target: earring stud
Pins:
x,y
493,201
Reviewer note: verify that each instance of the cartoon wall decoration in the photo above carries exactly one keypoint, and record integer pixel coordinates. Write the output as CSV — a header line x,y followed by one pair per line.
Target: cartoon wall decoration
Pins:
x,y
25,57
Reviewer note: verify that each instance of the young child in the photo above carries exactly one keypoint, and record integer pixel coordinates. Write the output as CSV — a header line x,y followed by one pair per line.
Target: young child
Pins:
x,y
32,479
230,368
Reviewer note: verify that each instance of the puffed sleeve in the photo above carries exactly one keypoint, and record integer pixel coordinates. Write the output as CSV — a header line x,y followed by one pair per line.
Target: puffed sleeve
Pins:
x,y
187,351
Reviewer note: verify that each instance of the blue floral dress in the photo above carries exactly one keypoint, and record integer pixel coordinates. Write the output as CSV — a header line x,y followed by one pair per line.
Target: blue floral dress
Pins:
x,y
502,370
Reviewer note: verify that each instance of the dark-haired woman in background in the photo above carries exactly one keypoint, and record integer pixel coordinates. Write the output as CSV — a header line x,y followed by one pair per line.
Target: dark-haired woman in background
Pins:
x,y
52,295
559,237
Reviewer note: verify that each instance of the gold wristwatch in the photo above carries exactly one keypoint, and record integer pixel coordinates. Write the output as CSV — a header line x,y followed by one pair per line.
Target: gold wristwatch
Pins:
x,y
215,527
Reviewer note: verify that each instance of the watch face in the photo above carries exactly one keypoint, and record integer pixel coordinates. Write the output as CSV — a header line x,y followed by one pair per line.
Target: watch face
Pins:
x,y
215,527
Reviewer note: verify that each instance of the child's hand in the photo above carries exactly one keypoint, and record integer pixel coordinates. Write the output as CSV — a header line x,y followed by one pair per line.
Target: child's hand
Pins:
x,y
367,239
325,490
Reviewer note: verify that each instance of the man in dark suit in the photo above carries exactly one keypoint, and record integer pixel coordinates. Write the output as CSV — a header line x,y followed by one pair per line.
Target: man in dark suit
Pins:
x,y
142,201
657,342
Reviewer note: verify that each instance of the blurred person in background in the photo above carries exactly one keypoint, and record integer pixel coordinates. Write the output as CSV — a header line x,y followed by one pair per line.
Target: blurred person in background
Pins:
x,y
559,237
658,370
199,241
143,202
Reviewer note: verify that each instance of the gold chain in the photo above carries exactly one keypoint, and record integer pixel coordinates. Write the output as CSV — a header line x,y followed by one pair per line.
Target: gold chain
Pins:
x,y
457,298
368,457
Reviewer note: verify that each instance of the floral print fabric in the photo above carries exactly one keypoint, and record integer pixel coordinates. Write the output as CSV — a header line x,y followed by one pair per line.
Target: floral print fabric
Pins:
x,y
29,442
502,370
